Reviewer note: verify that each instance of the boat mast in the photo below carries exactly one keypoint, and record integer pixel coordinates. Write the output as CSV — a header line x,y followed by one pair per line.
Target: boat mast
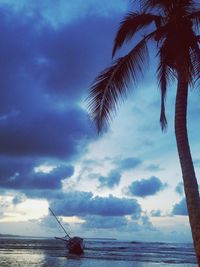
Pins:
x,y
59,223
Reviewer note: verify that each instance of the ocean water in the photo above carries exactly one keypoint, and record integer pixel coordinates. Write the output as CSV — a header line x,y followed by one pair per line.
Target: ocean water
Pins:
x,y
38,252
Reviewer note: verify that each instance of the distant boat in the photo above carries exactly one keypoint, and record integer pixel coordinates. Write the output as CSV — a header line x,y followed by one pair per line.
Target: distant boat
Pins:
x,y
75,245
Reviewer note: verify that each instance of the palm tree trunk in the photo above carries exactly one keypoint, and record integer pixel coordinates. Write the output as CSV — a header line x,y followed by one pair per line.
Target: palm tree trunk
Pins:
x,y
189,178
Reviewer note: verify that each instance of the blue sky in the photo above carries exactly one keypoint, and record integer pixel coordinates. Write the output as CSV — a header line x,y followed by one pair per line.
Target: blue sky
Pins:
x,y
124,183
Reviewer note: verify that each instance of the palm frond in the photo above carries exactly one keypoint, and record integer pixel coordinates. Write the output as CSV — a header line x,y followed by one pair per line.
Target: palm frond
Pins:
x,y
166,6
131,24
195,59
188,57
195,18
177,25
112,84
153,4
165,75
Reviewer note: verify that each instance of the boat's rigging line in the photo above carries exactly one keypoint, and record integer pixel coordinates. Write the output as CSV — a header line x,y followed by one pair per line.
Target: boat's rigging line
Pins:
x,y
59,223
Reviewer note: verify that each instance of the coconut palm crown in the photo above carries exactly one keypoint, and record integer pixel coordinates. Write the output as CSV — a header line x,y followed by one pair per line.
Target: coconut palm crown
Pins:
x,y
173,25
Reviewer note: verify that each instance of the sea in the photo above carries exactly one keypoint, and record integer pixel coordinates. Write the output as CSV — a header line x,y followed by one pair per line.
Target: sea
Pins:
x,y
43,252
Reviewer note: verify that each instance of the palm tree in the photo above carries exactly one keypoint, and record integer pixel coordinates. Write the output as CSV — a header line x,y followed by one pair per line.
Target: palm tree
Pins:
x,y
173,26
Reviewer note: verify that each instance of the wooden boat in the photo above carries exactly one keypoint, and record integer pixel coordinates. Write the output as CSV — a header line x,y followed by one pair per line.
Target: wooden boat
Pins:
x,y
75,245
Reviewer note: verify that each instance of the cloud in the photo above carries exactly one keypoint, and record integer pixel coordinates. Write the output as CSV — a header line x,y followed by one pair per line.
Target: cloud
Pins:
x,y
154,167
117,223
35,118
84,203
197,162
111,180
180,208
146,187
156,213
69,58
101,222
50,223
127,163
19,175
48,194
4,204
179,188
58,134
45,74
147,223
55,13
17,199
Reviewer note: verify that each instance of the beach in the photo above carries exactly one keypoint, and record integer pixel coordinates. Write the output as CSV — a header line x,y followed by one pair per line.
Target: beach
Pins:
x,y
24,252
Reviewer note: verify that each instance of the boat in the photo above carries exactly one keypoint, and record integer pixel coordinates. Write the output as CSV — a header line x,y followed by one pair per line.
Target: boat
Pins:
x,y
75,245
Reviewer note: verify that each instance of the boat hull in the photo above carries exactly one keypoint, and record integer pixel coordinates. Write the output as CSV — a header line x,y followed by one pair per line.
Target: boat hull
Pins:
x,y
75,245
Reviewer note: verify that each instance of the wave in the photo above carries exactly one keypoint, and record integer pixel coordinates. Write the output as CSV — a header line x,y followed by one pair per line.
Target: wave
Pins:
x,y
108,250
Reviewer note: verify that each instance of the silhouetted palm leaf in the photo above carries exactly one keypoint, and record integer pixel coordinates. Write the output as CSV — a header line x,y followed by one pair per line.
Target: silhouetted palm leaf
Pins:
x,y
164,75
195,60
167,4
195,55
152,4
195,17
113,82
131,24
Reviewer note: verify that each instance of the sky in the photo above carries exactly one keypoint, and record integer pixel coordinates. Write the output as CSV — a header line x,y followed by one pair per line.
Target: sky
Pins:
x,y
124,183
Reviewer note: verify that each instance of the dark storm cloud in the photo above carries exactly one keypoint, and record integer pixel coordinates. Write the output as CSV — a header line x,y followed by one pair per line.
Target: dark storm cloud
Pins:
x,y
52,133
65,60
21,176
18,49
146,187
84,203
111,180
180,208
38,65
72,56
44,73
